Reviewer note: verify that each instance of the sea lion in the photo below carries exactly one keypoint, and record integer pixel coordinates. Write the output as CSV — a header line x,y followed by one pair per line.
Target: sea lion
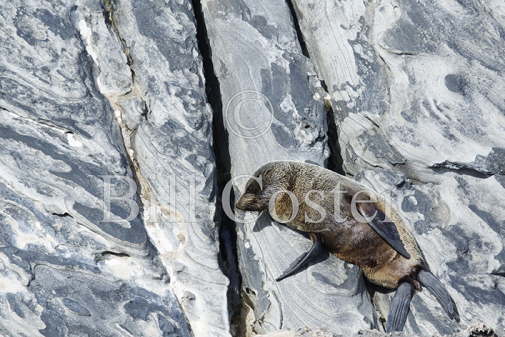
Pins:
x,y
346,219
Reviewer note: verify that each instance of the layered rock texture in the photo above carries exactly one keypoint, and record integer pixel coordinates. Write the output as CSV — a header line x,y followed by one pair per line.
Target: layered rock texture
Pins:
x,y
414,91
122,122
98,98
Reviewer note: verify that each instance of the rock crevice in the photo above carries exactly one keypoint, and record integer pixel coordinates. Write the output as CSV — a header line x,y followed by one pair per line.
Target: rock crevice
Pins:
x,y
177,98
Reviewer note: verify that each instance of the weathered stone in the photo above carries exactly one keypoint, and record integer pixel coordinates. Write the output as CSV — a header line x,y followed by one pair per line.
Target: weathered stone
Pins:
x,y
166,125
69,267
273,109
415,92
101,96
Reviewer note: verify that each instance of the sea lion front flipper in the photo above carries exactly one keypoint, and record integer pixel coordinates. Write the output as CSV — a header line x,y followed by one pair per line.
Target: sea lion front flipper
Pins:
x,y
433,284
399,307
385,228
316,253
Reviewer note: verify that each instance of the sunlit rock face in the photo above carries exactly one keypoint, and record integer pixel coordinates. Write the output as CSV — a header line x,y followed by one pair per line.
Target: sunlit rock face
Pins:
x,y
121,121
93,104
416,89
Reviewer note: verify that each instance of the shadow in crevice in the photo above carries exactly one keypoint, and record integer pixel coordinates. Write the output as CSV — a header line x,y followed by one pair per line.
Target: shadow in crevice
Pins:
x,y
298,30
334,161
228,261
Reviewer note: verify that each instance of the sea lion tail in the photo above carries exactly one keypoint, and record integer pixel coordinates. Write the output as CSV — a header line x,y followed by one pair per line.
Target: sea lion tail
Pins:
x,y
433,284
399,307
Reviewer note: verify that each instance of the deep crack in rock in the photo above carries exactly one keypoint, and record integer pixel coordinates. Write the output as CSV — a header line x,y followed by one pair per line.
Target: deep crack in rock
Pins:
x,y
227,233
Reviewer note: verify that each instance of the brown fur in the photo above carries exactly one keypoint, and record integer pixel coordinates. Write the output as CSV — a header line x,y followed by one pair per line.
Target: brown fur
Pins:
x,y
352,241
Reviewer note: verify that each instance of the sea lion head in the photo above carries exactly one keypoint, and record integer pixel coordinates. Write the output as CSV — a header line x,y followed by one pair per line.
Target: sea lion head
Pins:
x,y
252,198
261,185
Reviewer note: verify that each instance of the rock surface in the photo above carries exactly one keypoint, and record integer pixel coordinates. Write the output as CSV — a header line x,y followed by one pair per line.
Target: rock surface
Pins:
x,y
79,84
478,330
415,96
166,124
120,121
273,109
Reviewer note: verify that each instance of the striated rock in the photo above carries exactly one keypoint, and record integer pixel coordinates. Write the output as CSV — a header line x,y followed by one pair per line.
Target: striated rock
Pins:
x,y
305,332
415,97
72,262
478,330
121,121
273,110
166,124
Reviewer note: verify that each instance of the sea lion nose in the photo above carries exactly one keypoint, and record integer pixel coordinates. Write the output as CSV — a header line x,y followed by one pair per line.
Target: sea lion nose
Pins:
x,y
240,204
246,202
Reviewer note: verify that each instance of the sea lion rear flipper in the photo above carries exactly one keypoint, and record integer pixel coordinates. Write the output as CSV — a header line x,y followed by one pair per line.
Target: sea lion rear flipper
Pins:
x,y
386,229
316,254
399,307
433,284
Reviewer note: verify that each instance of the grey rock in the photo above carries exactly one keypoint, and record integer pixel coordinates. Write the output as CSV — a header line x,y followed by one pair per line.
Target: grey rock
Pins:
x,y
303,332
66,81
273,109
419,118
477,330
109,100
166,125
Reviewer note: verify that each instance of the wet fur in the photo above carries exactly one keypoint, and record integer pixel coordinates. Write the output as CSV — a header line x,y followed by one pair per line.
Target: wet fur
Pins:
x,y
351,241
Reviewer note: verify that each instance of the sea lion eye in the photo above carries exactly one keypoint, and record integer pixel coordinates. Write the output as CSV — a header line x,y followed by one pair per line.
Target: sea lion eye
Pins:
x,y
253,186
